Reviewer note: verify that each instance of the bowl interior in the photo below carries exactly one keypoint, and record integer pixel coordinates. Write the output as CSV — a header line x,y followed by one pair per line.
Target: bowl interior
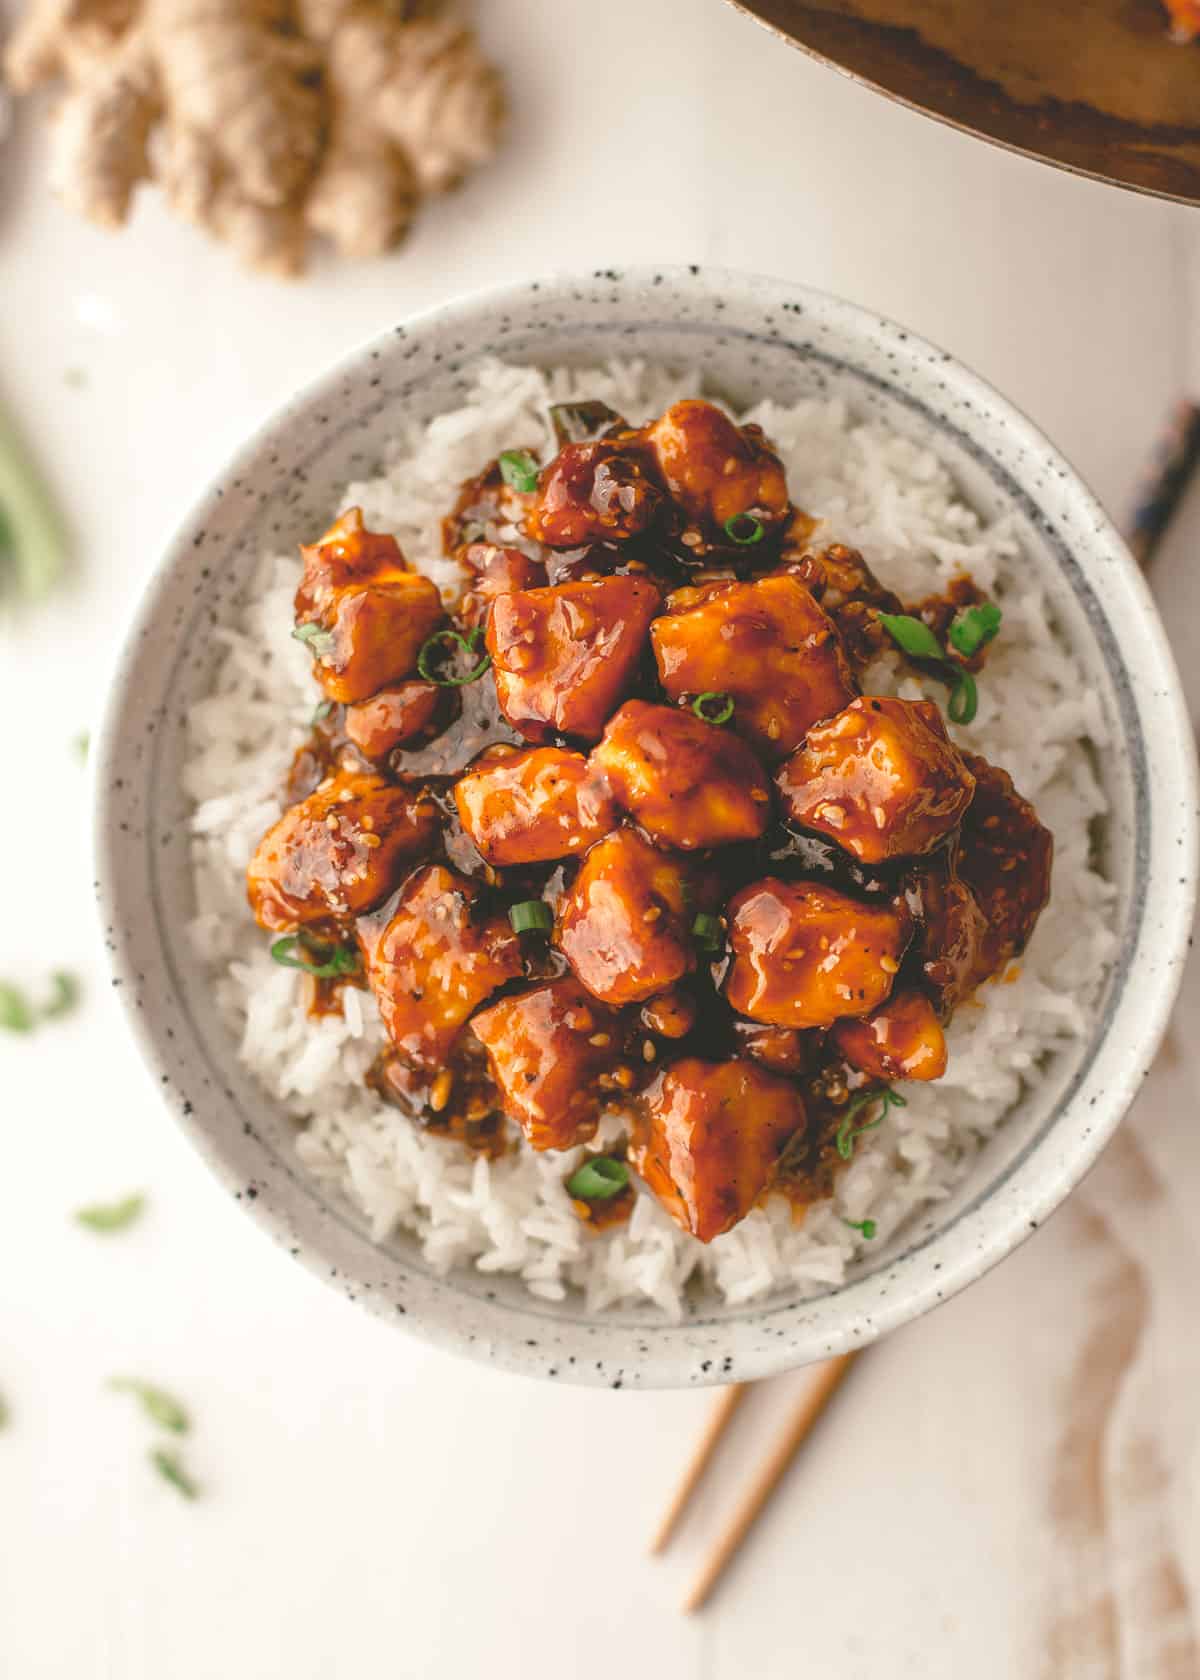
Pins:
x,y
746,339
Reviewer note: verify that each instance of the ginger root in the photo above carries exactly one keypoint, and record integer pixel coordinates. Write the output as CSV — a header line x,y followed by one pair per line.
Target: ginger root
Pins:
x,y
264,121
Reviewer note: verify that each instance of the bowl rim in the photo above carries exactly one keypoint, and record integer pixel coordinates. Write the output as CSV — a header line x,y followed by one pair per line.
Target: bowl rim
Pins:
x,y
915,1281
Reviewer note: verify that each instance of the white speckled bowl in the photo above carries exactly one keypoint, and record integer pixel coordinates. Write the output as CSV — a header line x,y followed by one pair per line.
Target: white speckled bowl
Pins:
x,y
752,337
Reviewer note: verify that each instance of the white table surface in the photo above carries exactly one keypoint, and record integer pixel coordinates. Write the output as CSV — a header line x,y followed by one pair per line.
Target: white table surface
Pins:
x,y
1007,1489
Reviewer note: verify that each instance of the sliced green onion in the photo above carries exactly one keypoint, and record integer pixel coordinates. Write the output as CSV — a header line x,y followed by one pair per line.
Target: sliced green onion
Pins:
x,y
16,1013
33,537
323,962
866,1226
708,931
519,470
531,916
468,644
598,1179
721,705
317,641
112,1216
913,635
161,1407
974,628
848,1134
320,713
169,1467
744,529
582,421
964,699
64,995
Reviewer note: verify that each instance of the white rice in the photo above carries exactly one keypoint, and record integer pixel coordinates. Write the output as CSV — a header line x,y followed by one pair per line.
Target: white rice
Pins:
x,y
873,489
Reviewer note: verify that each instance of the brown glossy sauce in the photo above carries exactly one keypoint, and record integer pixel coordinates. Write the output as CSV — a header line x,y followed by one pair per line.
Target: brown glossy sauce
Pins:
x,y
461,1102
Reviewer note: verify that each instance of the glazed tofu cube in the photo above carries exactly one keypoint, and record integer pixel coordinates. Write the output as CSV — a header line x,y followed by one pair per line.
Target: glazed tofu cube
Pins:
x,y
767,644
533,805
564,656
708,1138
1005,857
903,1040
553,1052
625,924
392,717
592,492
339,851
364,615
952,931
882,779
715,470
687,782
432,957
498,571
347,555
804,955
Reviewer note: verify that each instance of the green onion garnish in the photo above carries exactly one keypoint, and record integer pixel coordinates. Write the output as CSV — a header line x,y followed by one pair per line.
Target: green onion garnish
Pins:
x,y
913,635
744,529
33,538
974,628
320,713
323,962
713,706
317,641
848,1134
16,1015
111,1216
531,916
467,643
919,641
866,1226
64,996
598,1179
519,470
161,1407
168,1465
707,931
964,699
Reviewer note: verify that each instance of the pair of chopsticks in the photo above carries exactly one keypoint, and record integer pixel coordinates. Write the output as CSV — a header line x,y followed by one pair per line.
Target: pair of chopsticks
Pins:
x,y
826,1379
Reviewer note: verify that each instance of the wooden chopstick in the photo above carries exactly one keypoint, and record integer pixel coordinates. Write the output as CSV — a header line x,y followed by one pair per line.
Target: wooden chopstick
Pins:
x,y
719,1420
1168,476
825,1383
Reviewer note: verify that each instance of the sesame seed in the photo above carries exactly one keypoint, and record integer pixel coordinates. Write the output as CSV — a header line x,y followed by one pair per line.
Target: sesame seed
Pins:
x,y
624,1078
648,1051
439,1094
889,965
600,1040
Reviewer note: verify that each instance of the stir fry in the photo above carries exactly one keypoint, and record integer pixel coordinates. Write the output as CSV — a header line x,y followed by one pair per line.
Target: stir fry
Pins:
x,y
620,832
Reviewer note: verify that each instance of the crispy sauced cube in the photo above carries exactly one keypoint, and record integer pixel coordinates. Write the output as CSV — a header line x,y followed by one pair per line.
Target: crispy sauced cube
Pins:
x,y
392,717
782,1049
498,571
687,782
714,469
767,644
553,1053
708,1138
563,656
625,924
339,851
952,930
1005,857
882,778
591,492
903,1040
533,805
369,615
432,958
804,955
